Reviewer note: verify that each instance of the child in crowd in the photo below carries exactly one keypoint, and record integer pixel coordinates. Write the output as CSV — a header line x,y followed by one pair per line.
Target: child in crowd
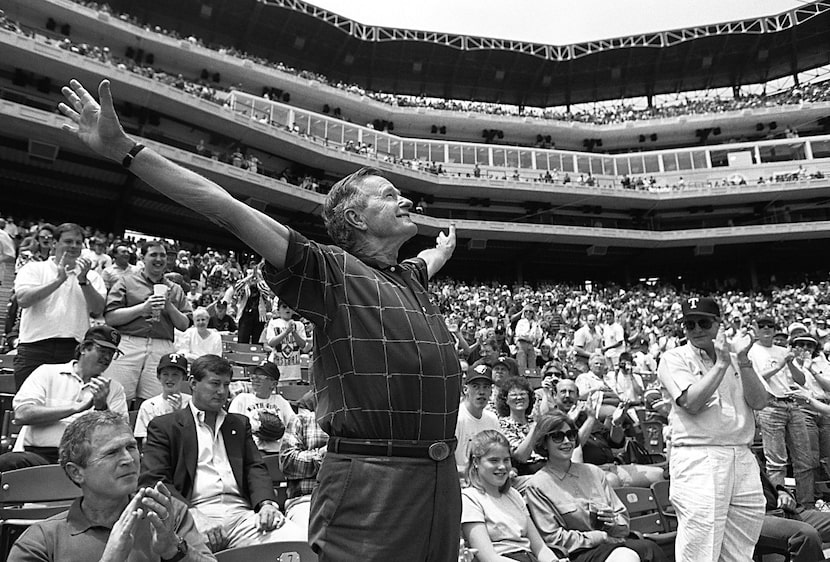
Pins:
x,y
494,518
269,412
171,372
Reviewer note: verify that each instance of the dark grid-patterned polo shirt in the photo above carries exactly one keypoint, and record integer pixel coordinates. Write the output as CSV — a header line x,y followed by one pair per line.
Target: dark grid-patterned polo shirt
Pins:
x,y
385,365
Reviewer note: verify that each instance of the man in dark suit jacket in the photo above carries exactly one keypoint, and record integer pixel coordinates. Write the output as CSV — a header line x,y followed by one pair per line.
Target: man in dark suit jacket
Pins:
x,y
208,459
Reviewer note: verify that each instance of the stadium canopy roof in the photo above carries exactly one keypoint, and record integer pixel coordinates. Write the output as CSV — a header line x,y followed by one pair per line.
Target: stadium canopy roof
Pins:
x,y
444,65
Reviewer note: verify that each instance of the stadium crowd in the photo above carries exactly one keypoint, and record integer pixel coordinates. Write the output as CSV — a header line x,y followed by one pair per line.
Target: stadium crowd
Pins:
x,y
563,388
531,353
235,153
618,111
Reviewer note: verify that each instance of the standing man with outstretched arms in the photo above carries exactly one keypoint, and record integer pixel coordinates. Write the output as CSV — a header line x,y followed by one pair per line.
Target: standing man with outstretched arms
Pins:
x,y
386,373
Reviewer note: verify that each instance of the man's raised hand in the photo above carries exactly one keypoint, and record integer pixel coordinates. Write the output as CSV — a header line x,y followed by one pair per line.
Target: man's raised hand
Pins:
x,y
96,125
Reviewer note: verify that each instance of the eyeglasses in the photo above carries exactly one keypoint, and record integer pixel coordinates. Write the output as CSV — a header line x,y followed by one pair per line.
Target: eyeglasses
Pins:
x,y
767,325
47,237
108,351
704,323
517,396
559,436
804,345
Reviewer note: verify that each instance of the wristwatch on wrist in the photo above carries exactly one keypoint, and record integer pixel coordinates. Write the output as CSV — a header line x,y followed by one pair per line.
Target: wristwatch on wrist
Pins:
x,y
83,283
181,551
267,502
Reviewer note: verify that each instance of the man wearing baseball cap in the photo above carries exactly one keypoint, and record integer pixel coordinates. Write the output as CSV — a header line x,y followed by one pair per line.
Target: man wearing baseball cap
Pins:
x,y
171,373
472,414
783,423
716,488
813,367
268,411
54,395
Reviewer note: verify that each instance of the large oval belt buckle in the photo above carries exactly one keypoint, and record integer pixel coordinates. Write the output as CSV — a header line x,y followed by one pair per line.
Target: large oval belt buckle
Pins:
x,y
439,451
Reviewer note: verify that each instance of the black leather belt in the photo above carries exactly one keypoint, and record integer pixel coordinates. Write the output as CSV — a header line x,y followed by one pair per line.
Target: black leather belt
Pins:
x,y
435,450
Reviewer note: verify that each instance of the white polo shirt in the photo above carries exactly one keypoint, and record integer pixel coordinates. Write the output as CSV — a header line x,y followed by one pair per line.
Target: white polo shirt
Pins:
x,y
726,419
57,385
61,314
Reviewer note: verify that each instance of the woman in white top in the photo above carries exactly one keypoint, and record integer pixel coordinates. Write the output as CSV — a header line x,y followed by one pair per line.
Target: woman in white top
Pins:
x,y
494,518
200,340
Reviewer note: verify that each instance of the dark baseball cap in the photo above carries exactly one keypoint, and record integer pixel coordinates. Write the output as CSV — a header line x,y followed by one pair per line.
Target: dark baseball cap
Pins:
x,y
479,373
176,360
700,306
105,336
766,319
268,369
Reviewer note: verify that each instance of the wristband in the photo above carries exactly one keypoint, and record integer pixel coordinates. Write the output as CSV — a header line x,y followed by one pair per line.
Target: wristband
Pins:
x,y
128,159
83,283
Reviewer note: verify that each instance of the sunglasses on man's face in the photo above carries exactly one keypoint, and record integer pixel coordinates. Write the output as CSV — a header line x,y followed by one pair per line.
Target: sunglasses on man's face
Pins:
x,y
767,325
559,436
704,323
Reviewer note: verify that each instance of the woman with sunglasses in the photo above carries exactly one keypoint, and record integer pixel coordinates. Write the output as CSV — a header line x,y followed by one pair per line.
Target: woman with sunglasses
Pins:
x,y
574,507
494,518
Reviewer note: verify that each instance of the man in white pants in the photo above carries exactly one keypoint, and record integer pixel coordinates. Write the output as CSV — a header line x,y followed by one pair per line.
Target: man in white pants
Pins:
x,y
716,488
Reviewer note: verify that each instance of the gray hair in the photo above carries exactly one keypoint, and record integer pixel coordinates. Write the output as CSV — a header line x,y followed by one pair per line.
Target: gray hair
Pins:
x,y
345,194
76,443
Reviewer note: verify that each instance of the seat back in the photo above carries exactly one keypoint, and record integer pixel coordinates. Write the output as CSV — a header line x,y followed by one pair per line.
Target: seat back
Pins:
x,y
31,494
245,348
7,364
289,551
36,484
7,385
642,509
277,478
252,359
660,491
293,392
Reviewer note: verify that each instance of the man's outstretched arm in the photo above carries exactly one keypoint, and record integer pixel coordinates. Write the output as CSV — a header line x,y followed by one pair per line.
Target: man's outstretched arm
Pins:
x,y
98,127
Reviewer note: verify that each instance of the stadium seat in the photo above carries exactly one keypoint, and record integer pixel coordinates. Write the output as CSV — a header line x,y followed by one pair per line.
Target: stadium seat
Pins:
x,y
9,431
277,477
133,417
660,490
234,347
251,359
7,385
645,518
290,551
293,392
28,495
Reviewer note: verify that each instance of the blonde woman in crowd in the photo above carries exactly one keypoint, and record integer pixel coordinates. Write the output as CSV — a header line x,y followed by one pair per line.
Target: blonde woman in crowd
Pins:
x,y
494,518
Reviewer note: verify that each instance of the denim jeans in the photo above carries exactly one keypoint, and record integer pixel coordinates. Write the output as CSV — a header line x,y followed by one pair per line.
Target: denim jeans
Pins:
x,y
783,427
818,430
